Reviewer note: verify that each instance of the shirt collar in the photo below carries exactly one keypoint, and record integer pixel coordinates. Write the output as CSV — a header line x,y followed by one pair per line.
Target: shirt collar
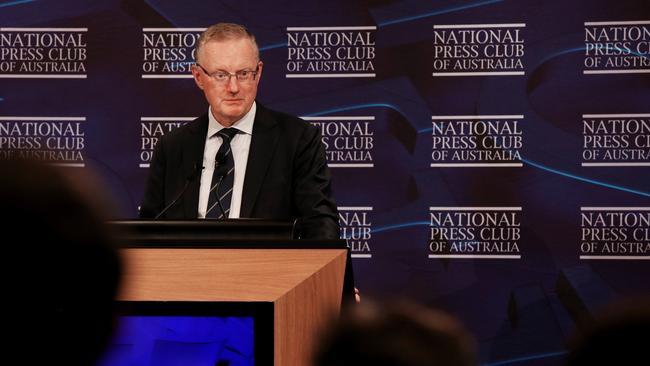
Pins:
x,y
244,125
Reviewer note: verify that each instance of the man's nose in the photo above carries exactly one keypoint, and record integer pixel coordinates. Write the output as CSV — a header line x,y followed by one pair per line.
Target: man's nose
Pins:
x,y
232,85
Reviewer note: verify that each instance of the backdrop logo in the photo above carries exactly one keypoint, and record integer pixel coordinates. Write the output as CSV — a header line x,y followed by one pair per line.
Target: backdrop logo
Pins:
x,y
356,228
153,128
478,49
616,140
349,141
168,52
60,140
615,233
476,141
617,47
331,52
43,53
475,232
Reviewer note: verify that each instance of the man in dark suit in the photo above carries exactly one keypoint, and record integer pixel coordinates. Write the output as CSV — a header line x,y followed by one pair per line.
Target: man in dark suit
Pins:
x,y
240,159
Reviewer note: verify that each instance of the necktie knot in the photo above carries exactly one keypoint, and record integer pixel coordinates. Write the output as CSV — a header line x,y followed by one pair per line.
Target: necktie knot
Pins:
x,y
227,133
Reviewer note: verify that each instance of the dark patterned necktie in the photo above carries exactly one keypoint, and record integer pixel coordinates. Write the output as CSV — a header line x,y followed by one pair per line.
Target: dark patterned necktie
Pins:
x,y
223,176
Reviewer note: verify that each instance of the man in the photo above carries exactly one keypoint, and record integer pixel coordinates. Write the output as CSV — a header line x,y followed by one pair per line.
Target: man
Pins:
x,y
272,166
62,269
614,335
401,333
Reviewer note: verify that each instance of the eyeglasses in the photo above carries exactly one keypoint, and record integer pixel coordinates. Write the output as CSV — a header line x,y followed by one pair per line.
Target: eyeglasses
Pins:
x,y
223,77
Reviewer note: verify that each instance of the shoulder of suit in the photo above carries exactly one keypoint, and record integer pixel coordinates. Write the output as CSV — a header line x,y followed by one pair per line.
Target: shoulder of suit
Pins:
x,y
285,120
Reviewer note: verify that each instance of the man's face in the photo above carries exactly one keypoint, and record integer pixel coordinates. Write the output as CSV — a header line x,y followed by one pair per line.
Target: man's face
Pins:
x,y
230,99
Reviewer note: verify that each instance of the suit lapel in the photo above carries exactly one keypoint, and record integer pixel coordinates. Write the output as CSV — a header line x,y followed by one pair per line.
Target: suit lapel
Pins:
x,y
193,147
263,144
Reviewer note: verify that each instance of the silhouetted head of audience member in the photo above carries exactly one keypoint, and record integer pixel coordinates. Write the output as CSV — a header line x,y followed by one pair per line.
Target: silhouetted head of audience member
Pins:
x,y
61,267
616,336
397,334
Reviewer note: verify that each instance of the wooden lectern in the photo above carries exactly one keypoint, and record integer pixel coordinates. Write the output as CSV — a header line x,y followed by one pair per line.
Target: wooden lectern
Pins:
x,y
303,280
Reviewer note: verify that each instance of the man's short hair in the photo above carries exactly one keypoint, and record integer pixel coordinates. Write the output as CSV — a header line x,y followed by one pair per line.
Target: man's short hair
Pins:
x,y
225,32
396,334
615,335
62,267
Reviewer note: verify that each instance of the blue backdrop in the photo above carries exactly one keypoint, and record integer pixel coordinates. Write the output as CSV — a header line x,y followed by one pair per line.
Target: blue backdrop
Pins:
x,y
489,157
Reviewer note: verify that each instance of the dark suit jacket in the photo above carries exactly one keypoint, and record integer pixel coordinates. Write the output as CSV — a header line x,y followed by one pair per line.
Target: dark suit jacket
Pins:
x,y
286,176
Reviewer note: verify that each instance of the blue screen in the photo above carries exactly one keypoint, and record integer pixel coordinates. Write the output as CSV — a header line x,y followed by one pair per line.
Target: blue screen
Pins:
x,y
181,340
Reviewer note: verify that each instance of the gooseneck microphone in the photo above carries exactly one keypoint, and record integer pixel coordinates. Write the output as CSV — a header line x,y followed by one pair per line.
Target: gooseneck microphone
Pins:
x,y
190,178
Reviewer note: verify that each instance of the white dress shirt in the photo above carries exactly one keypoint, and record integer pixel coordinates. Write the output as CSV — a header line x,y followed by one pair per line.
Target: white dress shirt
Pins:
x,y
240,146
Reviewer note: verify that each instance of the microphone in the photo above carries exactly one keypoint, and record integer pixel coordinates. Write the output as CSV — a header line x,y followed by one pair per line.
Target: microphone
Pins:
x,y
190,178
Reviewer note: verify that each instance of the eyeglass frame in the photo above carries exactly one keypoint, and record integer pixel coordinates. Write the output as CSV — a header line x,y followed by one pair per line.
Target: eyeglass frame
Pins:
x,y
236,74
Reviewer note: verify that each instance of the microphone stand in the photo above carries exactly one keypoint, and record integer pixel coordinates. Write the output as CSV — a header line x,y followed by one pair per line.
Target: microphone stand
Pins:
x,y
189,180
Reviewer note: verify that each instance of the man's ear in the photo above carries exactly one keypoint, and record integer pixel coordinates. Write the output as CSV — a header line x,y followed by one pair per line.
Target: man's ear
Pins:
x,y
198,76
260,65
